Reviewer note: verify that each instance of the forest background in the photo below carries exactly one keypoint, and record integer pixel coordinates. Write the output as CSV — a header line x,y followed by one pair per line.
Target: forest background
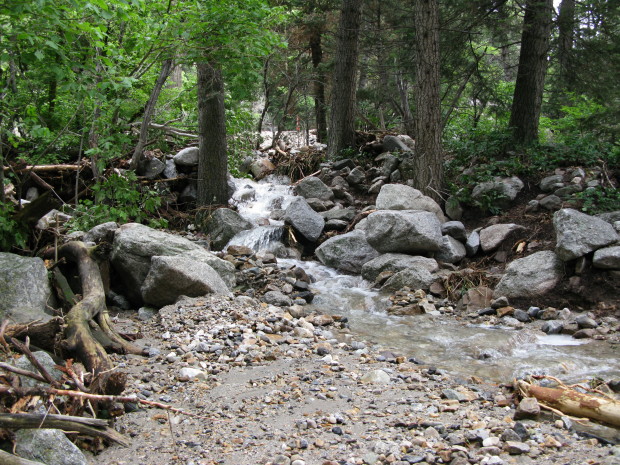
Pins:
x,y
485,87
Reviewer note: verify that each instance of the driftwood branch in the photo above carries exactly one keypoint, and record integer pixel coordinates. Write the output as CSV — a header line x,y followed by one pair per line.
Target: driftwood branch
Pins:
x,y
47,391
10,459
89,426
45,168
22,372
23,348
572,402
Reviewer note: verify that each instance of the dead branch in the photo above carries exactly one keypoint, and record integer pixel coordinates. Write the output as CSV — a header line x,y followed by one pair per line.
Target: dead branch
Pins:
x,y
10,459
48,391
44,333
89,426
23,348
19,371
44,168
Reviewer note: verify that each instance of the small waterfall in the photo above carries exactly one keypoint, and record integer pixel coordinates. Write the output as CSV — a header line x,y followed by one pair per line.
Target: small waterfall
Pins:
x,y
260,239
255,202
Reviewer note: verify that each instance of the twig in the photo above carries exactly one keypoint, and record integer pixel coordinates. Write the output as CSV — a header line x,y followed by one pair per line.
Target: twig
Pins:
x,y
26,351
19,371
37,391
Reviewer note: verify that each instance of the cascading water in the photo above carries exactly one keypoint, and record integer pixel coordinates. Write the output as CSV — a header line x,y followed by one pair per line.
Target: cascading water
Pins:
x,y
496,353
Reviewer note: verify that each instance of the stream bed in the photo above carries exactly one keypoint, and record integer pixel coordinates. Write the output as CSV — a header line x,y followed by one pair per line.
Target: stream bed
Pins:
x,y
490,352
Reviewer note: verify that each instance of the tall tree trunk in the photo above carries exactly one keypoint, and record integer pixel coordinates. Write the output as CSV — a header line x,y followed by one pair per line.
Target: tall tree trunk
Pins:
x,y
318,88
212,158
429,153
149,110
342,125
566,36
527,100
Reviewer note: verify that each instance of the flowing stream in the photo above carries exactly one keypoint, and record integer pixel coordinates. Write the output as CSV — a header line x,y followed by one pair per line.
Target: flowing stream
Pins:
x,y
495,353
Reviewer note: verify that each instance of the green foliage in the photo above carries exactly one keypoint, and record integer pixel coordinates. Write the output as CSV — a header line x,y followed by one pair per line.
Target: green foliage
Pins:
x,y
599,200
241,126
11,233
118,198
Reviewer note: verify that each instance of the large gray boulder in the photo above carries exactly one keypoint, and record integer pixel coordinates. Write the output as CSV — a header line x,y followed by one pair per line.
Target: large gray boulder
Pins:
x,y
171,277
100,232
498,193
493,236
413,278
396,262
48,446
24,289
134,245
394,144
313,188
451,251
262,167
578,234
607,258
411,232
223,225
337,213
187,157
347,252
304,219
403,197
531,276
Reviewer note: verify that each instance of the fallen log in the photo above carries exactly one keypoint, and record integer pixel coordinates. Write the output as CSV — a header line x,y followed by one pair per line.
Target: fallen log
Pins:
x,y
571,402
88,426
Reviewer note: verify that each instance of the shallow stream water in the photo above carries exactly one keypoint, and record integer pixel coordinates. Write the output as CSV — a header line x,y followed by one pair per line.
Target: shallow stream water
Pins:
x,y
495,353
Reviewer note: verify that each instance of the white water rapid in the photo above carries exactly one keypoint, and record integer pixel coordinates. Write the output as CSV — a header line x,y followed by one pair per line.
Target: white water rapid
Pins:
x,y
496,353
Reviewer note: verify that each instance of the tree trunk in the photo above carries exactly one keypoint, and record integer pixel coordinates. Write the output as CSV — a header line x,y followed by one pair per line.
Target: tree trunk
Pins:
x,y
318,87
148,113
429,153
342,125
212,158
566,36
527,100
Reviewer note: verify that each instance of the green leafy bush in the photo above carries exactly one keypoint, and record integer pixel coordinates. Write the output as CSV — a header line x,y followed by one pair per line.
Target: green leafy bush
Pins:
x,y
11,233
599,200
118,198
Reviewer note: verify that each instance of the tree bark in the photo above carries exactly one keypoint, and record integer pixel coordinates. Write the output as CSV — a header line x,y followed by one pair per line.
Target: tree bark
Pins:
x,y
527,100
566,36
429,153
148,113
318,88
212,158
342,125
